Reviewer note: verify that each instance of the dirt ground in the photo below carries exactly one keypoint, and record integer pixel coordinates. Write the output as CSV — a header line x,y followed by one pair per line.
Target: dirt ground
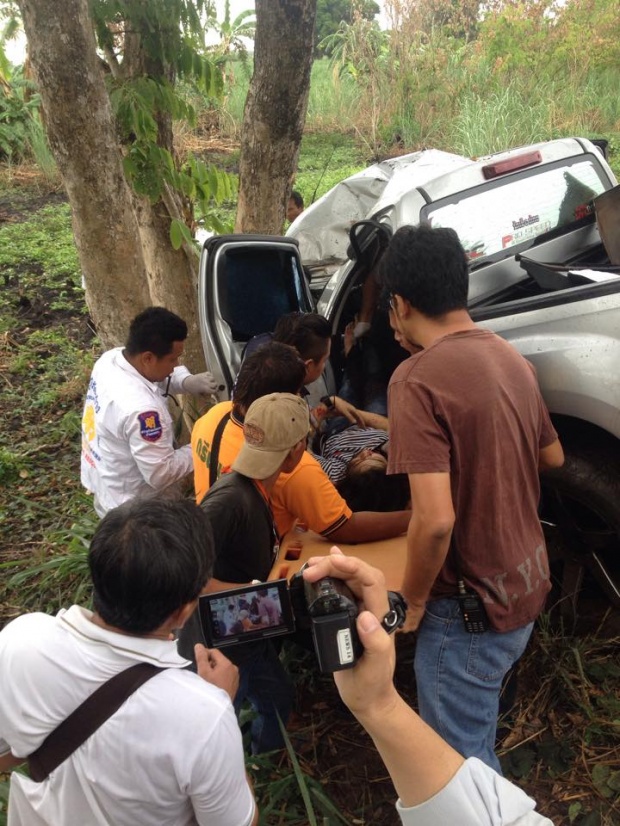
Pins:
x,y
329,743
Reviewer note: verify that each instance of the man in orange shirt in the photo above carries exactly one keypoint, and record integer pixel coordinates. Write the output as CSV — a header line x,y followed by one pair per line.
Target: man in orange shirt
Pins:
x,y
306,494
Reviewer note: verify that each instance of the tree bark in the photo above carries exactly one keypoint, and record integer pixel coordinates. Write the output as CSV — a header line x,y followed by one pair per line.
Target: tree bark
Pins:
x,y
275,112
82,137
122,240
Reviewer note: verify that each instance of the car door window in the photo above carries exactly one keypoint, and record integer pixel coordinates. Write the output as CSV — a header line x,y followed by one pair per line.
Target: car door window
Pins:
x,y
256,287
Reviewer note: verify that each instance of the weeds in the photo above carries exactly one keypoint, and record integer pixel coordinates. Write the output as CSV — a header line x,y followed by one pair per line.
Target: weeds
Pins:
x,y
288,791
47,275
44,585
569,718
325,160
502,120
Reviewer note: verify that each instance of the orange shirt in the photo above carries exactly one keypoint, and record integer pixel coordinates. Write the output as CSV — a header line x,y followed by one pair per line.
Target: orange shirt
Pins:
x,y
309,495
202,438
306,494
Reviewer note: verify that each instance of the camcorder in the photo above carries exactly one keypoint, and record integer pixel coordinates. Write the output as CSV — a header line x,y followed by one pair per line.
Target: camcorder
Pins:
x,y
327,608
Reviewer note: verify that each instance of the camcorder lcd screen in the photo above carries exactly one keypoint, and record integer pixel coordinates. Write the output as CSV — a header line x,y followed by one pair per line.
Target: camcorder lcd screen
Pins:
x,y
246,613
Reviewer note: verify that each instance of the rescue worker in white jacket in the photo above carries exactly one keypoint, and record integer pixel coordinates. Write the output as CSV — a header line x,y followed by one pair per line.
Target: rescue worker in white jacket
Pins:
x,y
127,430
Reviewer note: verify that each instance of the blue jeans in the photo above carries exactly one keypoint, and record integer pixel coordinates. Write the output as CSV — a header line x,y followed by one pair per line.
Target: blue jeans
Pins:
x,y
264,683
459,677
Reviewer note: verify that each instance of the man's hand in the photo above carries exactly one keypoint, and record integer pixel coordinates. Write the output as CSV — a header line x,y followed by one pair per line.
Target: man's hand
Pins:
x,y
349,411
217,669
8,762
415,614
368,687
201,384
366,582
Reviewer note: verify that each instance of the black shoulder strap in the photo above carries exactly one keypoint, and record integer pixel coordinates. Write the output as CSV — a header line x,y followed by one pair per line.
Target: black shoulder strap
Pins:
x,y
215,449
87,718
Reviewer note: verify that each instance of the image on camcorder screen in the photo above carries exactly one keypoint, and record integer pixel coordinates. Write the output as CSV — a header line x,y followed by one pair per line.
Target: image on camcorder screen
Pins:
x,y
241,613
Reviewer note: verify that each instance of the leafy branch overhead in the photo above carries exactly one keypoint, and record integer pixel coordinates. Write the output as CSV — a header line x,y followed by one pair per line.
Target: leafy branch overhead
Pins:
x,y
147,47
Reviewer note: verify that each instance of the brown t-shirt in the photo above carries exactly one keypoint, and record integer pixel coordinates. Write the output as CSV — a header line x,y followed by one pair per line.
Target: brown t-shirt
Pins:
x,y
470,405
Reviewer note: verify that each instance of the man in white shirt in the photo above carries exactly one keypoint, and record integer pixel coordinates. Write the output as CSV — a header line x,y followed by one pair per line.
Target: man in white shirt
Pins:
x,y
127,430
172,754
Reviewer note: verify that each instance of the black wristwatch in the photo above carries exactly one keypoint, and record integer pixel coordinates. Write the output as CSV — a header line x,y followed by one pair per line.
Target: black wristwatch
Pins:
x,y
328,401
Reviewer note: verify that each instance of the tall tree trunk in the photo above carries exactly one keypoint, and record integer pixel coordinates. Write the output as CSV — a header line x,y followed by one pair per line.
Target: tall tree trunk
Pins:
x,y
82,137
275,112
122,240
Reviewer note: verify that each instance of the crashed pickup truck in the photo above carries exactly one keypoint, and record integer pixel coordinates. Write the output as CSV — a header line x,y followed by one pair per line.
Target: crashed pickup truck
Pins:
x,y
540,276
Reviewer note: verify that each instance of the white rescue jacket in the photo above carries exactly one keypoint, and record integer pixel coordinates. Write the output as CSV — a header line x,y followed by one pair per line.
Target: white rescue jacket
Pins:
x,y
127,433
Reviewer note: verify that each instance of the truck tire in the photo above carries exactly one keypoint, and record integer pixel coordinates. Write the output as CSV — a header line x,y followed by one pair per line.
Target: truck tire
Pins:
x,y
581,505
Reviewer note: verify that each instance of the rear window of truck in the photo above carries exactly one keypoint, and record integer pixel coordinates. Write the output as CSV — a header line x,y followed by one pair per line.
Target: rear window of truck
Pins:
x,y
511,212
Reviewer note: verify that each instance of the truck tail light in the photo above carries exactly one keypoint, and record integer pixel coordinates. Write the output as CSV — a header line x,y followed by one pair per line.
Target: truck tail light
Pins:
x,y
494,170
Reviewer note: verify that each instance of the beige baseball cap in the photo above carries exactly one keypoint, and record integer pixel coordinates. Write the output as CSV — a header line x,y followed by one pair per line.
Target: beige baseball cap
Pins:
x,y
273,425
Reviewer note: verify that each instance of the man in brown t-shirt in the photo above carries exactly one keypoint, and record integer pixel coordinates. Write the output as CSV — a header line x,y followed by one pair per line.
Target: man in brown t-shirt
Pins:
x,y
469,427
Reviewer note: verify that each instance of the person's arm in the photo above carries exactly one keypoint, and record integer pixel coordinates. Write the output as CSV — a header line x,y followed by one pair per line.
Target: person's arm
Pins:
x,y
369,526
375,420
8,762
217,669
428,539
151,443
174,382
551,456
182,381
341,407
420,763
435,784
371,289
308,494
220,788
550,453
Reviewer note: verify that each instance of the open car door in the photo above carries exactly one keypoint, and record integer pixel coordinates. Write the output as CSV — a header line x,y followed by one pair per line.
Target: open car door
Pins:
x,y
246,282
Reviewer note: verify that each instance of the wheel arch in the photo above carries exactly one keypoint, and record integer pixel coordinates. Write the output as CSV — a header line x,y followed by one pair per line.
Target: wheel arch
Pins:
x,y
574,432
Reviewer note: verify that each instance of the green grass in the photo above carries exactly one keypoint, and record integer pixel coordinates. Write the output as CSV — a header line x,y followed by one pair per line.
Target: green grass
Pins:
x,y
324,161
567,725
333,100
503,120
46,274
28,244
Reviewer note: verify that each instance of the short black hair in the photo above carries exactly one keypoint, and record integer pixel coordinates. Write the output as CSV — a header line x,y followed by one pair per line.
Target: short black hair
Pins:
x,y
428,267
308,333
147,559
297,199
155,330
374,490
273,368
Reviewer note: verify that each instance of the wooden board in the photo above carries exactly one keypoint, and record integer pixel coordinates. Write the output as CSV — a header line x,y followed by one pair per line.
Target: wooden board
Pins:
x,y
387,554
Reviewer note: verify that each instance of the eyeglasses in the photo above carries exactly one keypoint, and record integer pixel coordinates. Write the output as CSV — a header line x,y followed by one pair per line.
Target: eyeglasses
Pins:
x,y
392,302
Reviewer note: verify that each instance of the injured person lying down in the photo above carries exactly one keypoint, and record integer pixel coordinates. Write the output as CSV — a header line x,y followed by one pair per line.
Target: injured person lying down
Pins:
x,y
355,459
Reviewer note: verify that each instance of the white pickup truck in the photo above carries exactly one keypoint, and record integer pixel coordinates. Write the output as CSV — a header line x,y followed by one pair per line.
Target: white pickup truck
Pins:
x,y
539,276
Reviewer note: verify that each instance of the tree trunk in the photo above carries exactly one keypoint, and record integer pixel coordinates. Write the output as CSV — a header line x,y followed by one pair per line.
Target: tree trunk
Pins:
x,y
275,112
122,240
82,137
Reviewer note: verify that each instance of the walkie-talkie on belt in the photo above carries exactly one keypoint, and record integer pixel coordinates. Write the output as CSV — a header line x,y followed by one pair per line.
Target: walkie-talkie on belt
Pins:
x,y
474,616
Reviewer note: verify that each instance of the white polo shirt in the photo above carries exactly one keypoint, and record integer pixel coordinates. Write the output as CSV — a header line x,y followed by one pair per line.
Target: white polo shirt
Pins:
x,y
128,434
476,796
170,756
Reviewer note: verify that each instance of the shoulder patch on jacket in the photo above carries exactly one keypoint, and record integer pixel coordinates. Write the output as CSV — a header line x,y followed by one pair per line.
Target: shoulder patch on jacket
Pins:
x,y
150,426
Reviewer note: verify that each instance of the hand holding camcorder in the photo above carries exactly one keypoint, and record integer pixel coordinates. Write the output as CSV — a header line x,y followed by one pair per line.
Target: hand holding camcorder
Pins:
x,y
327,608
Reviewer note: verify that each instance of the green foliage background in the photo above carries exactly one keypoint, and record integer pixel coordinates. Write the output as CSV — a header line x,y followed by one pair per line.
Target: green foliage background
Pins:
x,y
330,14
